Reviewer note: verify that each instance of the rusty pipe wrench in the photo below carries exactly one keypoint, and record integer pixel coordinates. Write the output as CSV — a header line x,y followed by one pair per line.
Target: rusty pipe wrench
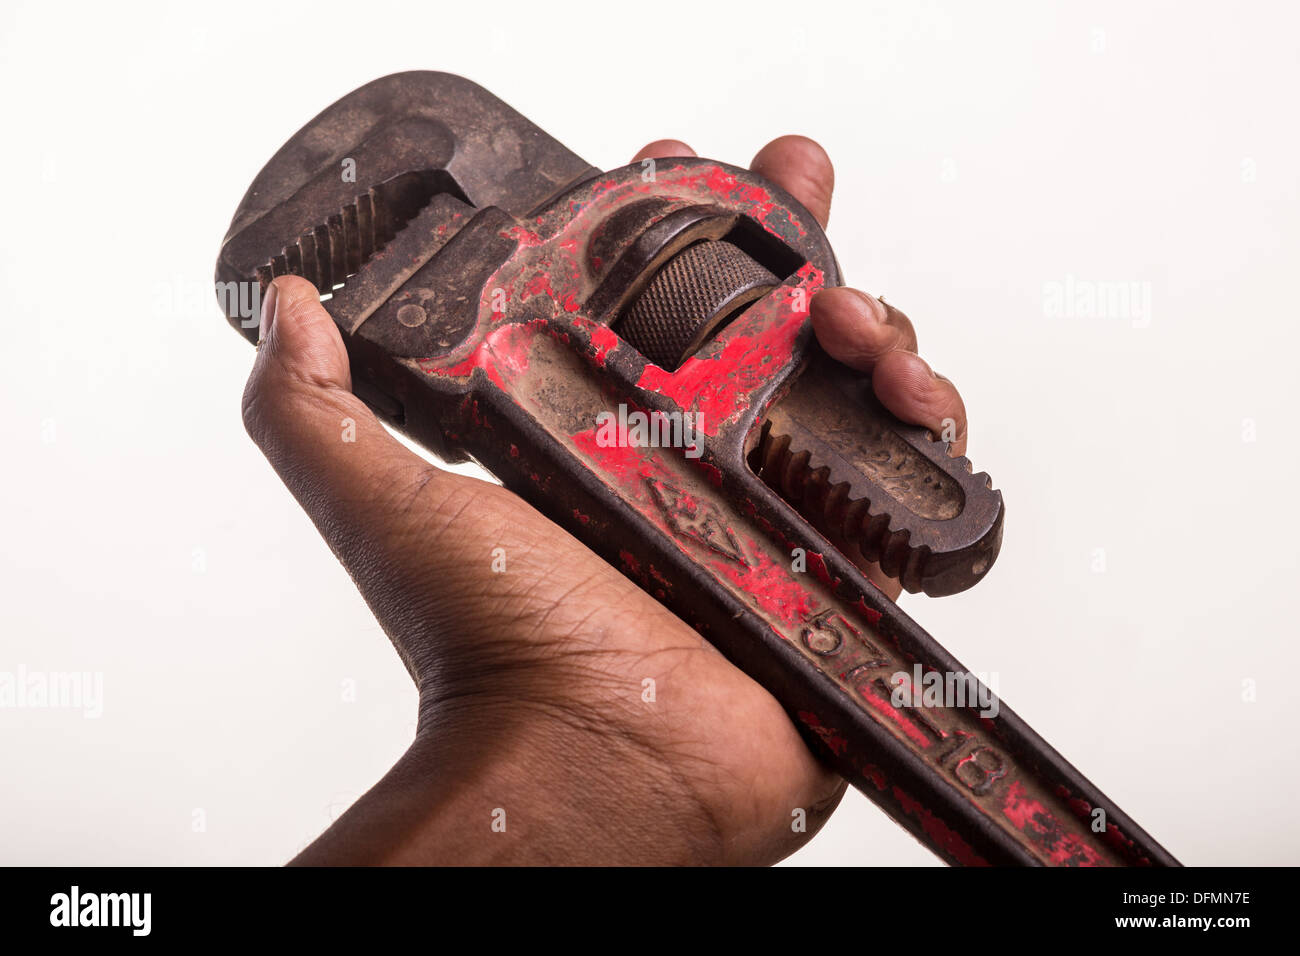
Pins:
x,y
631,352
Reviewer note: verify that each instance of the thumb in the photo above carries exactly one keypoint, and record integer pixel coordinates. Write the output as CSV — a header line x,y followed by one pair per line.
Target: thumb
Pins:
x,y
299,407
374,501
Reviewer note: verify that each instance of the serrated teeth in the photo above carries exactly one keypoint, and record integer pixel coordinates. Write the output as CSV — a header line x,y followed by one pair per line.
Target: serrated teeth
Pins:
x,y
327,254
808,486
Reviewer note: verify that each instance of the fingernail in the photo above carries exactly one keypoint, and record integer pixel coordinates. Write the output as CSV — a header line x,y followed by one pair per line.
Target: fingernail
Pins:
x,y
268,313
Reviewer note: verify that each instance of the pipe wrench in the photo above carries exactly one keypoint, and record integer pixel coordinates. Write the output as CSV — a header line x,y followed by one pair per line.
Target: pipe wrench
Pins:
x,y
630,351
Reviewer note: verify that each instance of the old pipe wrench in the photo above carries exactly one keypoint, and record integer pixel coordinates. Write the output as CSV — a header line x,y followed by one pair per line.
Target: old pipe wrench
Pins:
x,y
504,301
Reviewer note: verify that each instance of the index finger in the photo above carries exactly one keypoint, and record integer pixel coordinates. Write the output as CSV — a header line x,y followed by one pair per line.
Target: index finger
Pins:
x,y
801,167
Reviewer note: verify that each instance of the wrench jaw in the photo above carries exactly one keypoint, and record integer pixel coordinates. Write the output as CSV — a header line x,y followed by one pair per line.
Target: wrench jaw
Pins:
x,y
879,489
410,137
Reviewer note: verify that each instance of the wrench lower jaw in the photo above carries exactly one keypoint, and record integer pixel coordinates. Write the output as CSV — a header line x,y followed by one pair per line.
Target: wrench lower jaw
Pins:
x,y
883,491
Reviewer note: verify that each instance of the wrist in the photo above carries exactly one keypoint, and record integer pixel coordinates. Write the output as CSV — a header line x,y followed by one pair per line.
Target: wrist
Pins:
x,y
521,785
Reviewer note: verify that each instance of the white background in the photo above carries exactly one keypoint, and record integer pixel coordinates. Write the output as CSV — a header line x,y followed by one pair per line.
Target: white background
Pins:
x,y
983,153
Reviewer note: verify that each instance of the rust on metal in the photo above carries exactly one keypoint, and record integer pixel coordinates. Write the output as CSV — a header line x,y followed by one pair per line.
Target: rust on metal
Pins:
x,y
503,300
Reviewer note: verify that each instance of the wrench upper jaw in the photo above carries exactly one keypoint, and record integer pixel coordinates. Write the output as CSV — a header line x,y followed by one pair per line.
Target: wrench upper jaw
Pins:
x,y
497,156
330,221
347,182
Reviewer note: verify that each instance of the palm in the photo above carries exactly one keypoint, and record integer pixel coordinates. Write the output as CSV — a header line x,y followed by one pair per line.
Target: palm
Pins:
x,y
717,743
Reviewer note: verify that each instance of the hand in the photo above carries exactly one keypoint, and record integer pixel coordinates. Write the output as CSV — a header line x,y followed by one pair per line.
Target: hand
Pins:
x,y
530,680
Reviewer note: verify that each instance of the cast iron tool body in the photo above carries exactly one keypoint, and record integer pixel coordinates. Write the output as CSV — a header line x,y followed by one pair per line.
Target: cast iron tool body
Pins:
x,y
504,301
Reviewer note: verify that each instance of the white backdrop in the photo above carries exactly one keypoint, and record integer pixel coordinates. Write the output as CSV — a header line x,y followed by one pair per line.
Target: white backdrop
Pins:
x,y
990,159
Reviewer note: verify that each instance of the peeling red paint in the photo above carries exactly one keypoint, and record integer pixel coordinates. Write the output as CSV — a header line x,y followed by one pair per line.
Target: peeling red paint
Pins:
x,y
837,744
525,237
1116,838
718,386
942,837
1062,847
870,613
727,187
713,473
603,341
882,706
771,585
502,355
818,564
624,463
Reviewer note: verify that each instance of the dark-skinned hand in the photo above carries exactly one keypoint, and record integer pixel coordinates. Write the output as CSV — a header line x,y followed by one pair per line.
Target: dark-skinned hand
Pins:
x,y
530,681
